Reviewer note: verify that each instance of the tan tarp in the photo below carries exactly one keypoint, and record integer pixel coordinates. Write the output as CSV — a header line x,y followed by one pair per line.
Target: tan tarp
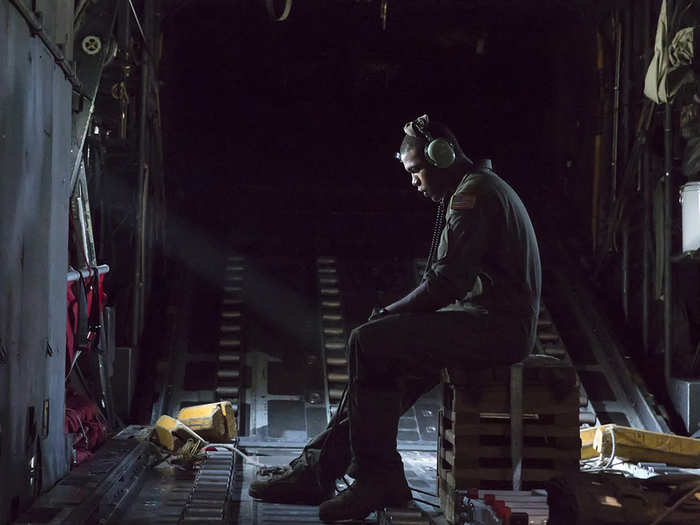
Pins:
x,y
669,68
637,445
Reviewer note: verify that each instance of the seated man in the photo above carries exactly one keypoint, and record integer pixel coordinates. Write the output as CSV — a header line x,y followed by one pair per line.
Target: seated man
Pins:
x,y
477,306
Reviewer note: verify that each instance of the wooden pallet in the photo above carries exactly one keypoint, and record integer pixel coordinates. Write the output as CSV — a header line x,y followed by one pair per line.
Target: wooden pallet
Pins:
x,y
475,453
474,447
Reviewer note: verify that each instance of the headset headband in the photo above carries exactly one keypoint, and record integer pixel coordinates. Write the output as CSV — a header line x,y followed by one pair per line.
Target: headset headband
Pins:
x,y
438,151
417,128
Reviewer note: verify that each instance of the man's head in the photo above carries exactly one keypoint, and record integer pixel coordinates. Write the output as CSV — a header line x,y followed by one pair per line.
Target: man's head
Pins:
x,y
433,182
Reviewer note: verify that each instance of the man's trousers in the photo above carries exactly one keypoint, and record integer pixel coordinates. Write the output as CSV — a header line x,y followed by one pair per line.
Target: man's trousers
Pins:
x,y
394,360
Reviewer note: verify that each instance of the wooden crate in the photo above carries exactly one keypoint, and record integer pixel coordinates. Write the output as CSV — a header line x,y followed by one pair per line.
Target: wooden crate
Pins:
x,y
474,447
477,454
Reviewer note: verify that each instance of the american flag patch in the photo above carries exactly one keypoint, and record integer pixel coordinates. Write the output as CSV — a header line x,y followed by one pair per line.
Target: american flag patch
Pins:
x,y
463,201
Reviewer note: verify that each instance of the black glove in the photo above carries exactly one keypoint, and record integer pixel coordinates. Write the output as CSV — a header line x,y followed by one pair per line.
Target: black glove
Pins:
x,y
377,313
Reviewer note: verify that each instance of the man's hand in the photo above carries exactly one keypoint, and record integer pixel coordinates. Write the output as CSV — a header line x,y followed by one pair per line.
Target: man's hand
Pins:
x,y
377,313
419,300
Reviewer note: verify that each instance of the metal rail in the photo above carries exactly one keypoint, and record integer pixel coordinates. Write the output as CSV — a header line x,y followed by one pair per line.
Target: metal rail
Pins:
x,y
668,289
210,493
109,493
630,395
74,275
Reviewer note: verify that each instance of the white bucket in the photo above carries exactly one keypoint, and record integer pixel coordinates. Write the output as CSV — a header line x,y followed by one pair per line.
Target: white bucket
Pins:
x,y
690,202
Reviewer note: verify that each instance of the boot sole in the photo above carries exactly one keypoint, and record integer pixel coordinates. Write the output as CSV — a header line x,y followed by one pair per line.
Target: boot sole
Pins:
x,y
291,499
359,516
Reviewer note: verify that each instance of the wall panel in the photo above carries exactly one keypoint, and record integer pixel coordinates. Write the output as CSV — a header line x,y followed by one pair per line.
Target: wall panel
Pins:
x,y
35,127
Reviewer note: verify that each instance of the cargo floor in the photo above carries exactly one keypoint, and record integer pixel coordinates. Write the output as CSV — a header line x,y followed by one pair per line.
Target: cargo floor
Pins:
x,y
268,334
165,491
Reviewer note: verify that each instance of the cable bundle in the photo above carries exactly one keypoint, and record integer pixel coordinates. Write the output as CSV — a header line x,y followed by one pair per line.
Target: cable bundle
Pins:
x,y
437,231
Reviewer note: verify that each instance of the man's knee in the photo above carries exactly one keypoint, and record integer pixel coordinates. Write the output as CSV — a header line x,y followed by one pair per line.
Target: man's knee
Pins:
x,y
354,339
363,352
365,338
354,336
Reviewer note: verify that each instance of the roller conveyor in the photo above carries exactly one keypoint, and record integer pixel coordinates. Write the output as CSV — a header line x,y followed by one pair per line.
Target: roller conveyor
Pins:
x,y
223,373
333,332
228,374
229,357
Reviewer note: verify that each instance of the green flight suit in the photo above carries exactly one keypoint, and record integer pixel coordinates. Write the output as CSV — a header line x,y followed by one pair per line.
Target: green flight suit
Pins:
x,y
487,271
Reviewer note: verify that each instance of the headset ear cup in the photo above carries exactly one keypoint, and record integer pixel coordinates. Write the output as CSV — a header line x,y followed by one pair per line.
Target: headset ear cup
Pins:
x,y
440,153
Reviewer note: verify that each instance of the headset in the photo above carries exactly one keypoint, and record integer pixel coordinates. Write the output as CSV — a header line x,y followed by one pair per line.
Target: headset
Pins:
x,y
438,151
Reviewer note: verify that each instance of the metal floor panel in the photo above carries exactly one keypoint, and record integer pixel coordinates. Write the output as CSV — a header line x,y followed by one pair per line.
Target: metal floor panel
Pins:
x,y
615,392
96,489
162,497
285,403
270,336
299,314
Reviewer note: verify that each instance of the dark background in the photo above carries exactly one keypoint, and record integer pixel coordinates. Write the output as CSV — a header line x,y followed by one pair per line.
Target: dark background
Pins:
x,y
280,137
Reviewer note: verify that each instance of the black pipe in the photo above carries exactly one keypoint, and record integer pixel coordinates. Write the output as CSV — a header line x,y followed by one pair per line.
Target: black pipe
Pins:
x,y
668,164
625,143
625,269
124,17
667,243
617,31
137,307
646,195
646,247
626,65
37,29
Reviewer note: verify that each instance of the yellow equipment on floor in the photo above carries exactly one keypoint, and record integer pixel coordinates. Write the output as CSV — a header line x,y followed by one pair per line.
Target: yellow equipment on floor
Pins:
x,y
215,422
172,434
587,436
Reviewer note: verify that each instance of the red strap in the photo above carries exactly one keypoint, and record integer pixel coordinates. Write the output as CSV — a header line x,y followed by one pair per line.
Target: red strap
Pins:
x,y
72,317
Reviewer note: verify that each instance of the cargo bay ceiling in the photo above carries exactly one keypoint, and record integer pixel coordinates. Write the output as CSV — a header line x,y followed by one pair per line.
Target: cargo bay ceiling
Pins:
x,y
306,114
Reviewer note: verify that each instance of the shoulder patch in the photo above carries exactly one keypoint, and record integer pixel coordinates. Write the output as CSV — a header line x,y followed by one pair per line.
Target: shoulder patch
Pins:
x,y
463,201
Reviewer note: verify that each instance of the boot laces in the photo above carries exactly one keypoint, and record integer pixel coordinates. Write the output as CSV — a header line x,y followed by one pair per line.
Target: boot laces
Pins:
x,y
272,470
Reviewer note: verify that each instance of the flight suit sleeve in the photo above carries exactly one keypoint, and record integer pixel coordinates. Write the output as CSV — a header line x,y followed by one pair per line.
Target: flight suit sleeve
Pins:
x,y
463,244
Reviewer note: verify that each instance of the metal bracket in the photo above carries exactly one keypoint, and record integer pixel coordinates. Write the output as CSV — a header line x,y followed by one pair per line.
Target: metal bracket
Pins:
x,y
516,423
412,514
45,414
105,499
464,508
98,19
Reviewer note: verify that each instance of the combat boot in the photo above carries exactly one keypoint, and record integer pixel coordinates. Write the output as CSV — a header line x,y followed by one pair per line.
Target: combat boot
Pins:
x,y
298,484
364,496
